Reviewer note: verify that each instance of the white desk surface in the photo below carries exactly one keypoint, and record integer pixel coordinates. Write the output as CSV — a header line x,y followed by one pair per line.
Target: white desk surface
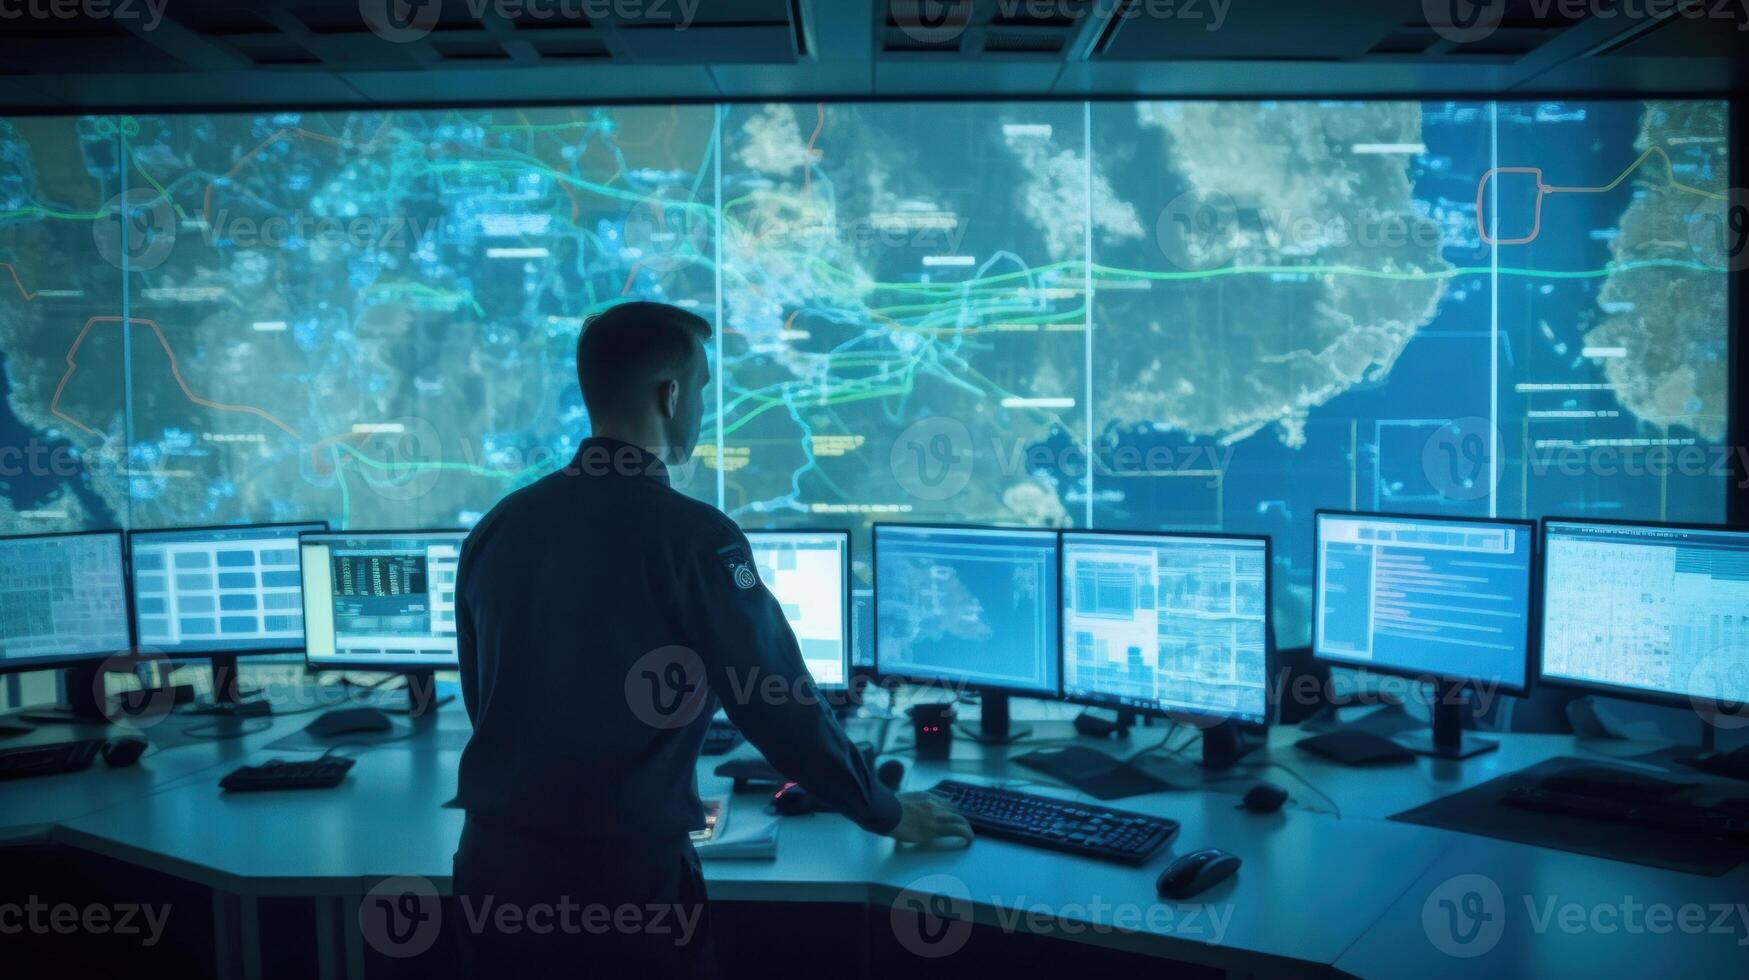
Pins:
x,y
30,808
1315,889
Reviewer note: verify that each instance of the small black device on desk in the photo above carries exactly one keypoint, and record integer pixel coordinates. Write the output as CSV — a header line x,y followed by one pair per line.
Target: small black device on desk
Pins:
x,y
1059,825
932,725
1265,797
1356,748
59,757
349,721
1196,872
321,773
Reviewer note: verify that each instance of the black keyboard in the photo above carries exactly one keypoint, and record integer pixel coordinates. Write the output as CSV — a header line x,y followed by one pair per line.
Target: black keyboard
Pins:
x,y
1676,818
1059,825
47,760
278,774
721,738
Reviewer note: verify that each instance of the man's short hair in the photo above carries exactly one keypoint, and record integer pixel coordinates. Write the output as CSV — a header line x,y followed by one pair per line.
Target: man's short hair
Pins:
x,y
624,350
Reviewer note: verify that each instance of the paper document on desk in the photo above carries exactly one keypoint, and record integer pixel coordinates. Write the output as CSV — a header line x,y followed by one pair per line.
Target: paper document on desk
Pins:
x,y
751,838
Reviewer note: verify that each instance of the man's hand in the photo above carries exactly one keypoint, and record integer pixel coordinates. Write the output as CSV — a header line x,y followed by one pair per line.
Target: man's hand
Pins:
x,y
926,818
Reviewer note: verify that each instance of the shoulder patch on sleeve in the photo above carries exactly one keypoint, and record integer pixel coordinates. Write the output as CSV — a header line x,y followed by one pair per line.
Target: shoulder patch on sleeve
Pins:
x,y
738,563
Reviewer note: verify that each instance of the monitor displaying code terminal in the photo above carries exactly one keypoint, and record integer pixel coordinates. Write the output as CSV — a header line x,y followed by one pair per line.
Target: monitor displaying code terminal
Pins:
x,y
381,600
63,599
1654,612
1448,599
808,572
968,606
232,589
1167,623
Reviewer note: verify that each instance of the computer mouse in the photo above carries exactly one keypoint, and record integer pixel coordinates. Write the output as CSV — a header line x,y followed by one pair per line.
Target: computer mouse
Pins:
x,y
1265,797
792,801
1196,872
347,721
891,774
118,752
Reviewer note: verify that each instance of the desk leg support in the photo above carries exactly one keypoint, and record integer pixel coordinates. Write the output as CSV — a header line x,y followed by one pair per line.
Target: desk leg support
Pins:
x,y
339,944
236,936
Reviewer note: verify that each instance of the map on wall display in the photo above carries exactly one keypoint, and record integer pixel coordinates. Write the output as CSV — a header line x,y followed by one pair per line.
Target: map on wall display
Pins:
x,y
1185,315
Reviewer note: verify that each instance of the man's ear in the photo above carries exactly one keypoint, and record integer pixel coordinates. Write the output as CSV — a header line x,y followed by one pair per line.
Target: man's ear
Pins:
x,y
668,397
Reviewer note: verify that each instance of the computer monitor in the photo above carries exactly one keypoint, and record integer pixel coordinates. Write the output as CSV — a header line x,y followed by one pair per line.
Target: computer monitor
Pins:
x,y
1652,612
63,603
1174,624
808,572
1442,598
219,592
971,607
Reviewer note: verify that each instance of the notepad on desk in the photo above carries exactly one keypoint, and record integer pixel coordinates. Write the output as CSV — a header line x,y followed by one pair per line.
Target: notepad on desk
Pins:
x,y
750,839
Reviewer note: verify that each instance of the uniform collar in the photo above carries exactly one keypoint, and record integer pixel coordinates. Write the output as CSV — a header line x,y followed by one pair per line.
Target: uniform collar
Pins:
x,y
601,456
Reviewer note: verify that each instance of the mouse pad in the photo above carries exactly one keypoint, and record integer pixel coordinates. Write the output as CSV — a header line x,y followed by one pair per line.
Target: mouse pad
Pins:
x,y
1479,811
1092,772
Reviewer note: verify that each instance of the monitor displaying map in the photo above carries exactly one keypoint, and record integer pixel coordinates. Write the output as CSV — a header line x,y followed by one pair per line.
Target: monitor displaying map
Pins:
x,y
1189,315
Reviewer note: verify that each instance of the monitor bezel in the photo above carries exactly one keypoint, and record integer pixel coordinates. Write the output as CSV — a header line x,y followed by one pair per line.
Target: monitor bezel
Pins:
x,y
1269,648
1053,693
1532,612
181,654
1640,695
844,599
93,657
368,666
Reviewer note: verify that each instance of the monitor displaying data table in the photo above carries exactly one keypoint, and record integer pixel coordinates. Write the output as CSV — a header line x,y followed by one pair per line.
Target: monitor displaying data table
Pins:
x,y
1167,623
808,572
1655,612
63,599
1440,598
233,589
381,600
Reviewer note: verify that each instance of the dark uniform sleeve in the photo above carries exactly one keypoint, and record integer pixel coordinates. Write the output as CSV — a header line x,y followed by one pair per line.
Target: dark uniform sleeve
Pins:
x,y
754,665
467,661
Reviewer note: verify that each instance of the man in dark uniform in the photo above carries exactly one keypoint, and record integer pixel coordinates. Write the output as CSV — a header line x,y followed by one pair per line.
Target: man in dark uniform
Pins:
x,y
601,614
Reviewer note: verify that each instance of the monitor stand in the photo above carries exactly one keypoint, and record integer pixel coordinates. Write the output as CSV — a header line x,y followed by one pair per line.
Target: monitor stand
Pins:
x,y
1447,739
1223,745
422,698
84,705
995,725
229,699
